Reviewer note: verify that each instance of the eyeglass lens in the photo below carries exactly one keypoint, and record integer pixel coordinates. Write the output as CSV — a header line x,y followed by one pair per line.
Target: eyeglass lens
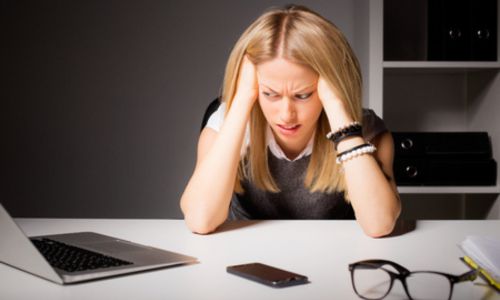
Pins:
x,y
427,286
375,283
371,283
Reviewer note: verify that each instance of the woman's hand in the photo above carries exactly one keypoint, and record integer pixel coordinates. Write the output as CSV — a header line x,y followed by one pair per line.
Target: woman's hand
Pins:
x,y
326,93
333,105
247,87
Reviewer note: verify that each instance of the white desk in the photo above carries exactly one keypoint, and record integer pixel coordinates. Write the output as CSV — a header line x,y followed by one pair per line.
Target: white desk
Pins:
x,y
319,249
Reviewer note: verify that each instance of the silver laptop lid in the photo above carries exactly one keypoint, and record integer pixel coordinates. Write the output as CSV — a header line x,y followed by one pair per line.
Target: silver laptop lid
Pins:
x,y
18,251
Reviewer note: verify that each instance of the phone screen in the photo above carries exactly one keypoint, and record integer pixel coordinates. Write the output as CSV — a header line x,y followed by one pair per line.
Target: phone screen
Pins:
x,y
267,274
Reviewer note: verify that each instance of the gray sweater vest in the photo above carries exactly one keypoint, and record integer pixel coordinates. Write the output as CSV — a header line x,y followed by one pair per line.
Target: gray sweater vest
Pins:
x,y
295,201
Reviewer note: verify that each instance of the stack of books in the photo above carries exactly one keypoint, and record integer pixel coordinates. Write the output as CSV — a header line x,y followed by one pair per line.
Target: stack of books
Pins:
x,y
483,254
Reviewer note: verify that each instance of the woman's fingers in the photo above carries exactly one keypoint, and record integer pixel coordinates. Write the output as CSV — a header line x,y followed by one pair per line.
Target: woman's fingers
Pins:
x,y
247,80
325,92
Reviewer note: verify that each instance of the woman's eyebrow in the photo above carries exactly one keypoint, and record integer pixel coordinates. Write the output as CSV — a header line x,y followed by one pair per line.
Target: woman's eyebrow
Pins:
x,y
296,92
269,88
304,88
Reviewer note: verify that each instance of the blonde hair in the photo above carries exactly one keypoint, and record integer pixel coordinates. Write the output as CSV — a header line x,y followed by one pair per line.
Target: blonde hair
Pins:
x,y
304,37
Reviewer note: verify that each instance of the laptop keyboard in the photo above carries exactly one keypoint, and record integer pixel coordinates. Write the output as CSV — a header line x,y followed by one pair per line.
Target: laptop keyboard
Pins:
x,y
73,259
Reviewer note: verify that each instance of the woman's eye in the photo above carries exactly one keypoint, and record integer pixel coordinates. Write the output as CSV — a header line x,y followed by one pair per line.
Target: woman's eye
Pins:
x,y
303,96
269,95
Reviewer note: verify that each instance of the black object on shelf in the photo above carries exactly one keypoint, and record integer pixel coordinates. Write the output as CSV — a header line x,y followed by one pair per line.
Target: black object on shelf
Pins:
x,y
483,39
440,30
443,159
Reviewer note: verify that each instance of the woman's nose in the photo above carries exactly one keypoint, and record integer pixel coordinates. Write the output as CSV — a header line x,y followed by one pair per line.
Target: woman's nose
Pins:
x,y
288,113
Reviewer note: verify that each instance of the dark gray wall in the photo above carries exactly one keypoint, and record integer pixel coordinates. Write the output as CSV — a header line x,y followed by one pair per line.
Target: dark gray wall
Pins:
x,y
102,100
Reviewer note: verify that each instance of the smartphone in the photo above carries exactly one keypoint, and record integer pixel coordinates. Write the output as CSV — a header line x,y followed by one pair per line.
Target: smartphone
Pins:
x,y
267,275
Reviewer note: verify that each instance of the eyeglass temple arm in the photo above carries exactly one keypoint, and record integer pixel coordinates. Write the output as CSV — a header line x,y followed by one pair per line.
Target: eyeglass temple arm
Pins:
x,y
467,276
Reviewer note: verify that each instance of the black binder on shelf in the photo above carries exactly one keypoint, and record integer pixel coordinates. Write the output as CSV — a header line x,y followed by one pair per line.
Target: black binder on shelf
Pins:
x,y
449,30
443,159
440,30
483,22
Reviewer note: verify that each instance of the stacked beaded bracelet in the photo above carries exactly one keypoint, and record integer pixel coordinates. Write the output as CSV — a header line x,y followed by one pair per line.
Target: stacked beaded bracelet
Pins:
x,y
353,129
354,152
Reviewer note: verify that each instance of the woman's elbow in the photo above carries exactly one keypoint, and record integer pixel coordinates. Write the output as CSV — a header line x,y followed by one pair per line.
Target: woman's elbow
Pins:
x,y
199,226
379,230
384,225
381,227
200,223
201,229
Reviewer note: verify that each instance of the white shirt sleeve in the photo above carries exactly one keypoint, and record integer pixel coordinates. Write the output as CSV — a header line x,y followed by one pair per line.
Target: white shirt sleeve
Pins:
x,y
215,122
217,118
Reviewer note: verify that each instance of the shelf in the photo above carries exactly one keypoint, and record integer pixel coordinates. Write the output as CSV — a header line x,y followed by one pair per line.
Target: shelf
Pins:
x,y
449,189
442,64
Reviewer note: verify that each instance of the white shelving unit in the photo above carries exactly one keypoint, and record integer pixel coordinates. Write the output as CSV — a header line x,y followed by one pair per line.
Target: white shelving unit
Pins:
x,y
440,65
449,189
430,96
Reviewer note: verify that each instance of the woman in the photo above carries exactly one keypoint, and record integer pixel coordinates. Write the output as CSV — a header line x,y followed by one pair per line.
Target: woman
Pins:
x,y
290,139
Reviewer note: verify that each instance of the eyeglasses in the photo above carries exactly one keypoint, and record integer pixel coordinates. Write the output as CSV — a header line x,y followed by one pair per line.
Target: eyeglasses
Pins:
x,y
371,279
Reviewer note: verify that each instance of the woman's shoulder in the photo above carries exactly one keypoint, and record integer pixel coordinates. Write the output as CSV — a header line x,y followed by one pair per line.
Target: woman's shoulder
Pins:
x,y
373,125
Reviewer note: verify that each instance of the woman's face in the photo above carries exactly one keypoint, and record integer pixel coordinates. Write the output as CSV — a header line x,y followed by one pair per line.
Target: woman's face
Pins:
x,y
289,101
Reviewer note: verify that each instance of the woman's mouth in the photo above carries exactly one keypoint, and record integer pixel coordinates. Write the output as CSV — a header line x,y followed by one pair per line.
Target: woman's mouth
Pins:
x,y
288,129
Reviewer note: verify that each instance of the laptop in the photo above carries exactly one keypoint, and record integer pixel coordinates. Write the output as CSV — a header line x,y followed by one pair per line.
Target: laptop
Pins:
x,y
81,256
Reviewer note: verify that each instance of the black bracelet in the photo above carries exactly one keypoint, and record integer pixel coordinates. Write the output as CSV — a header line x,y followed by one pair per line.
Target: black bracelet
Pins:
x,y
347,135
353,149
354,129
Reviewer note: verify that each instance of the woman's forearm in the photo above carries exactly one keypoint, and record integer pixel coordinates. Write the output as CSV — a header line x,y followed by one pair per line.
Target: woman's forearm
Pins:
x,y
373,197
205,201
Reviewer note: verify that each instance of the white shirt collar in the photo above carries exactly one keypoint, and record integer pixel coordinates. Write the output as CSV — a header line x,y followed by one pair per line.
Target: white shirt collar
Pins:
x,y
278,152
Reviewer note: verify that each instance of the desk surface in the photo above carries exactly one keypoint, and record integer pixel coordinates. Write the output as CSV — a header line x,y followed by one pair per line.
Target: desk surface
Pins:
x,y
319,249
